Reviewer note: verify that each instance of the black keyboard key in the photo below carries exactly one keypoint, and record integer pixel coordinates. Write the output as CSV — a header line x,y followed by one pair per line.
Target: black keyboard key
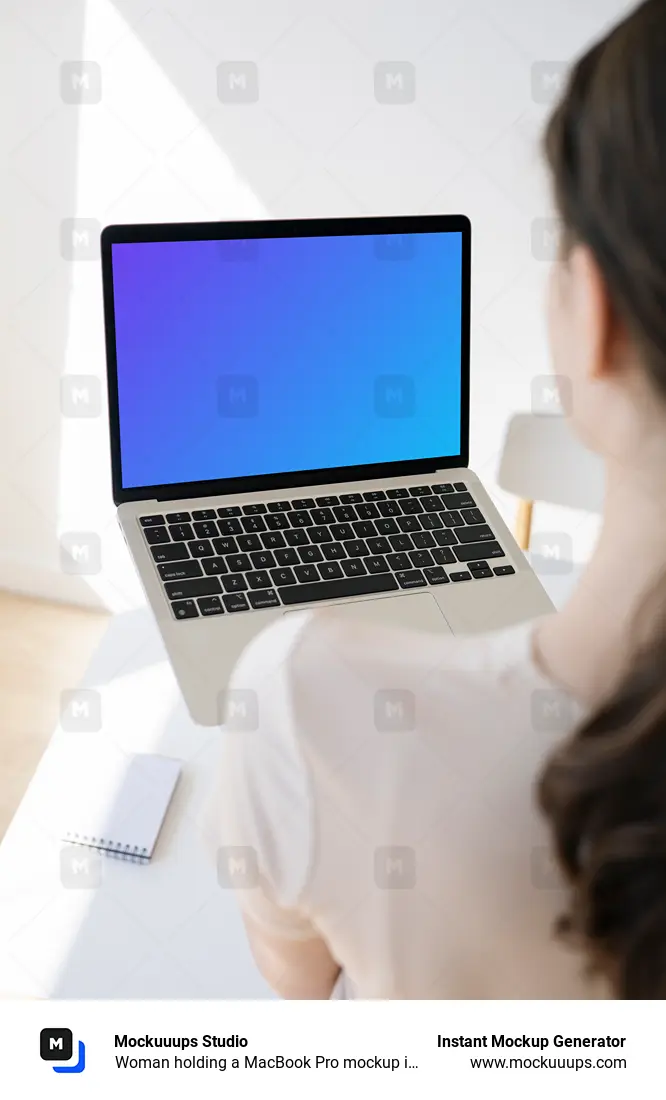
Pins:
x,y
463,575
481,574
330,570
254,509
375,494
214,566
420,491
444,556
364,529
185,590
309,554
229,512
482,533
201,549
421,558
182,532
379,545
460,500
225,546
389,508
399,562
320,534
351,498
156,536
230,527
185,609
327,502
297,537
436,575
345,514
460,486
235,582
376,564
478,550
409,523
336,590
445,537
303,502
357,548
152,521
288,556
236,602
207,529
258,579
267,597
253,523
432,521
334,551
473,515
386,526
411,578
301,519
272,540
411,506
239,563
263,559
367,511
176,551
178,517
210,605
433,504
477,565
246,543
179,571
204,513
397,494
283,576
354,567
306,573
503,570
340,532
322,516
453,519
279,506
401,542
279,522
447,487
422,540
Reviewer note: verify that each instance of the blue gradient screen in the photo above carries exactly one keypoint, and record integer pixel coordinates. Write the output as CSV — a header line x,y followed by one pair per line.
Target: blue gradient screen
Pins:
x,y
241,358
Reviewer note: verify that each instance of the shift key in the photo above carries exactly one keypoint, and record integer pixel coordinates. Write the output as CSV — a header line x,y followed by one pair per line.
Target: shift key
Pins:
x,y
474,551
185,590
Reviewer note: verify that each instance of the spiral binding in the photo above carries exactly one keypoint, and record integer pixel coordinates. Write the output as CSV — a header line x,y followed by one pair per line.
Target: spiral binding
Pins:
x,y
111,848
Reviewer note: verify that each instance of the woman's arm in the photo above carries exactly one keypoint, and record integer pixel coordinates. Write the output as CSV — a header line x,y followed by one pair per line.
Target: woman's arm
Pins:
x,y
296,969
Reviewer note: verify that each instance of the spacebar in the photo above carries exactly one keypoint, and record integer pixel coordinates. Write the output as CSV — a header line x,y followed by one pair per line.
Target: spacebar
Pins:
x,y
336,590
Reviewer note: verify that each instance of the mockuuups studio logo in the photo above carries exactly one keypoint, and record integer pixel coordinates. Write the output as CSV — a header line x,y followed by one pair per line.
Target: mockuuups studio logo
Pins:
x,y
80,82
546,234
394,396
551,553
395,868
80,395
237,868
548,79
81,711
395,83
551,393
237,396
237,82
79,238
238,710
56,1044
80,552
395,710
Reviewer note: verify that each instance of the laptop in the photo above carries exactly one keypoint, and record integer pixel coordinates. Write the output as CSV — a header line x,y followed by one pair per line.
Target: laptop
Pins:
x,y
289,422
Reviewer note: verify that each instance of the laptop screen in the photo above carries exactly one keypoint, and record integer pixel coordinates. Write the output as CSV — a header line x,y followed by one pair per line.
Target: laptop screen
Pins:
x,y
239,358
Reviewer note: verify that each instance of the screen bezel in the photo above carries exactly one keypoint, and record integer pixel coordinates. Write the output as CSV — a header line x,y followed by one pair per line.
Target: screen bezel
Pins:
x,y
238,230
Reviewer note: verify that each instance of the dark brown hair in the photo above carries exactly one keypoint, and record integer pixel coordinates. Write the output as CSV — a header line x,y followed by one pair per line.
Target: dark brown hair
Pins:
x,y
604,790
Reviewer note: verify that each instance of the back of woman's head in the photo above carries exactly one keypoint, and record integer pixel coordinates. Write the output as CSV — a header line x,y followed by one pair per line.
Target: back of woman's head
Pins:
x,y
604,791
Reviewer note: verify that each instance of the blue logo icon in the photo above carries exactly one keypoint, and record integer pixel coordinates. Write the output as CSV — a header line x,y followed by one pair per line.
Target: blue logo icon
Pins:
x,y
56,1044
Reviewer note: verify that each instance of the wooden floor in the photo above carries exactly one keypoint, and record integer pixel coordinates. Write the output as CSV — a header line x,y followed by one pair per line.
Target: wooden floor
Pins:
x,y
44,649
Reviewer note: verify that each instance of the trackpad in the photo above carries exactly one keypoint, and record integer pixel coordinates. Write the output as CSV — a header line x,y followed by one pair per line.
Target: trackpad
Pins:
x,y
416,611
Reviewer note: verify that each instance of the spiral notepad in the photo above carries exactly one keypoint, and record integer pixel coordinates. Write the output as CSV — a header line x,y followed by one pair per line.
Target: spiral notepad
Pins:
x,y
117,804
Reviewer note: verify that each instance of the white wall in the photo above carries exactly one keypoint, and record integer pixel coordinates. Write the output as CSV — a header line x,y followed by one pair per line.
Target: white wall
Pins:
x,y
155,142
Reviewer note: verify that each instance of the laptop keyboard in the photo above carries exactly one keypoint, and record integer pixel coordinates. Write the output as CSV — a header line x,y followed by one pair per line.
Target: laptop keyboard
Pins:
x,y
249,557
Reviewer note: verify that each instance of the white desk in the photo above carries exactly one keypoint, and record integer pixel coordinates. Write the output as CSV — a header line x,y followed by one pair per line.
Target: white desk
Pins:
x,y
165,930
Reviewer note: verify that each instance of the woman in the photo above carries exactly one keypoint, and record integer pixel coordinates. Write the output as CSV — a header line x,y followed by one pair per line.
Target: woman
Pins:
x,y
474,854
